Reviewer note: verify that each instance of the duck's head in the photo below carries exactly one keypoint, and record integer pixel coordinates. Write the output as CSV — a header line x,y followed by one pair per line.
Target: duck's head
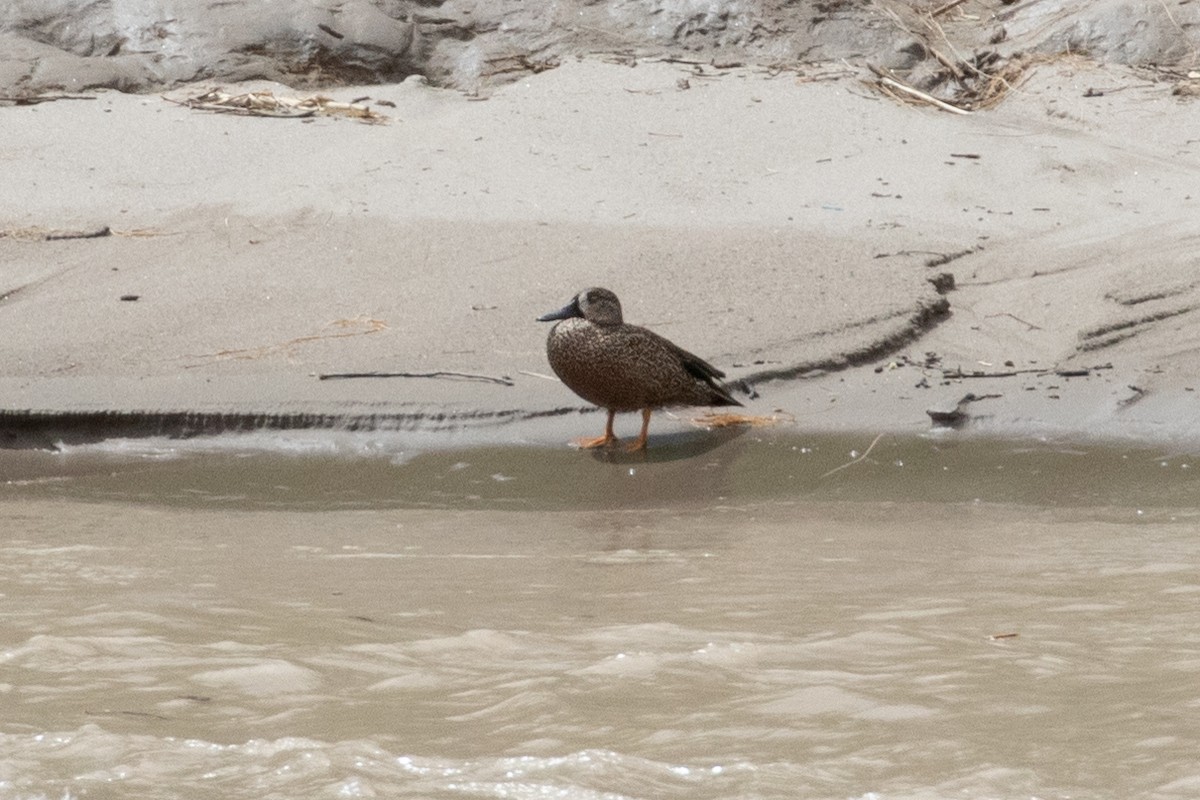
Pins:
x,y
594,305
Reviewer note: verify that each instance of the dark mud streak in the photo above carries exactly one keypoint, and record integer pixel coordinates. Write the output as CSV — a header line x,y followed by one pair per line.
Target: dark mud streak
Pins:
x,y
946,258
1158,294
902,317
1107,335
10,293
928,316
47,430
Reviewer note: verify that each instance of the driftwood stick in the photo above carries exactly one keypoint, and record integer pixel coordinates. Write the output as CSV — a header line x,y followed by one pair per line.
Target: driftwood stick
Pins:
x,y
917,93
1078,372
95,233
886,80
461,376
957,373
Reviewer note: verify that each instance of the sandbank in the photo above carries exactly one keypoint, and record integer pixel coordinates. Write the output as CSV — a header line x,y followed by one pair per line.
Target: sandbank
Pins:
x,y
800,231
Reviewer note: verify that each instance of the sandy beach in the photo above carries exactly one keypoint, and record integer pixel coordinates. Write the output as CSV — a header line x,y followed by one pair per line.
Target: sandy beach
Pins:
x,y
862,261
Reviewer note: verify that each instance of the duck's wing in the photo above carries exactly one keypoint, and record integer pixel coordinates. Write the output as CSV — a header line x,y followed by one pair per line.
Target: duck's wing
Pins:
x,y
699,369
697,365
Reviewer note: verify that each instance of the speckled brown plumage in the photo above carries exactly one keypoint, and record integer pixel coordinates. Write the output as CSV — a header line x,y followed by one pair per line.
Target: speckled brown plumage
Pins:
x,y
622,367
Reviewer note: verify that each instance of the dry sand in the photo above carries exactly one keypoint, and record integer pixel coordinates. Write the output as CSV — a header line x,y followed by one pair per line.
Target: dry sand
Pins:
x,y
785,227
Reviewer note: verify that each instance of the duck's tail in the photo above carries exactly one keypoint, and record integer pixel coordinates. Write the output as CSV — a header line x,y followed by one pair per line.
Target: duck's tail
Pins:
x,y
719,391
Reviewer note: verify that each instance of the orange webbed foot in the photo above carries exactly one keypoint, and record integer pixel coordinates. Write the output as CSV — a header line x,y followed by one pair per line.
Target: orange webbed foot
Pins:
x,y
591,444
600,441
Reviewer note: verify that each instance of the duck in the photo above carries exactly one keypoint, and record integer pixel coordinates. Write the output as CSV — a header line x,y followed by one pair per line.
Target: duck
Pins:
x,y
623,368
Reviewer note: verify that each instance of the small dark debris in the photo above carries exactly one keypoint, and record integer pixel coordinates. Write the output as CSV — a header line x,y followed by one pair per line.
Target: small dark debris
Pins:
x,y
954,414
130,298
1138,394
943,282
745,388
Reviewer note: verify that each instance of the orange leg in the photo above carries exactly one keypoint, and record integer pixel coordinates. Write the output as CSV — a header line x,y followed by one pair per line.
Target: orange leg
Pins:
x,y
640,444
600,441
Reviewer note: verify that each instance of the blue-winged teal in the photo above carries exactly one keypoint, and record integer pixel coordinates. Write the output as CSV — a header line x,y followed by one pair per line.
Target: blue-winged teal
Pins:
x,y
622,367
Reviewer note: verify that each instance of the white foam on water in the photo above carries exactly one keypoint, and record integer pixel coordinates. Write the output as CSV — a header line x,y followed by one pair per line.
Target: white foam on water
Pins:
x,y
92,759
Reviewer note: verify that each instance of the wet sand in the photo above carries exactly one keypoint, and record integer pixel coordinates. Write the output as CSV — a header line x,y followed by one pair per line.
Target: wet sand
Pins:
x,y
786,228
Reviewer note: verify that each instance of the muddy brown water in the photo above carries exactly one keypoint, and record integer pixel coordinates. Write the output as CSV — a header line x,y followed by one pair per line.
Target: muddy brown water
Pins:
x,y
725,618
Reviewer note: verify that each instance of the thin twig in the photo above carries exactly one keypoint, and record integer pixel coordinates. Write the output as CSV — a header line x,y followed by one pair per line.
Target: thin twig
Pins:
x,y
946,62
1030,325
855,461
946,7
42,98
372,326
465,376
541,375
1080,372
